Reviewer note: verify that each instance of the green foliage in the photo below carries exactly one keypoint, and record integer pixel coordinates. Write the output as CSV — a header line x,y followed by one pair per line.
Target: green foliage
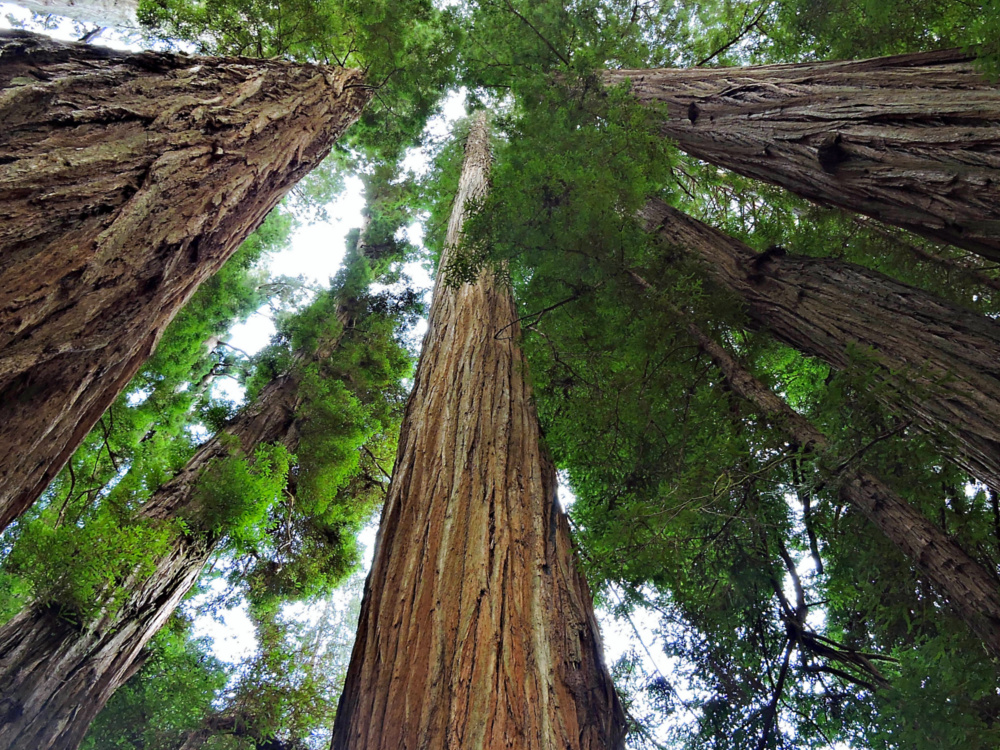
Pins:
x,y
167,698
85,569
235,493
405,48
86,543
689,507
838,29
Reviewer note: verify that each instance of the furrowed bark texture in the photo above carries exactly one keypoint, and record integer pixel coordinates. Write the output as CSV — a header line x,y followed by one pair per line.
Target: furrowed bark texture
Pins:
x,y
125,181
55,677
911,140
476,630
970,589
120,13
940,361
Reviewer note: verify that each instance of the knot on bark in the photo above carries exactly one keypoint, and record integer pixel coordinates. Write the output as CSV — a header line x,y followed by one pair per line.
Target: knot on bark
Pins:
x,y
830,153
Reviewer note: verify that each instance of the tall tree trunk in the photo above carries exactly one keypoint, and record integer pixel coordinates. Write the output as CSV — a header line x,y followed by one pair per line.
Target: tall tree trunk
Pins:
x,y
940,363
911,140
476,630
55,676
120,13
970,589
125,181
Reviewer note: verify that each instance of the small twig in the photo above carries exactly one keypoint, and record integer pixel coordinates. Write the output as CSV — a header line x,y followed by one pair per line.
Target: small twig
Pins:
x,y
91,35
869,445
375,461
736,39
539,34
234,348
69,494
537,316
771,711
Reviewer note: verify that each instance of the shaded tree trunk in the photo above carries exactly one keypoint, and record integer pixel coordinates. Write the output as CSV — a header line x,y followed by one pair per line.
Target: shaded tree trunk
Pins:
x,y
911,140
940,363
56,676
125,181
970,589
120,13
476,630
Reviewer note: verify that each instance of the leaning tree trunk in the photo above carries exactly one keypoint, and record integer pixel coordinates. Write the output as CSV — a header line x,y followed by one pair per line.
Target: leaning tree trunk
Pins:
x,y
125,181
939,363
111,13
970,589
476,630
912,140
54,676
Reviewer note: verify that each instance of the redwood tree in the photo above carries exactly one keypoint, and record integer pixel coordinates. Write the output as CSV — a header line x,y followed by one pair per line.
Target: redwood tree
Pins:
x,y
939,363
58,667
911,140
56,675
126,180
476,629
970,588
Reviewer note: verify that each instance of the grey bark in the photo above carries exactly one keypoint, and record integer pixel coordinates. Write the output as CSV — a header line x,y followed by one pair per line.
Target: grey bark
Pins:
x,y
911,140
939,363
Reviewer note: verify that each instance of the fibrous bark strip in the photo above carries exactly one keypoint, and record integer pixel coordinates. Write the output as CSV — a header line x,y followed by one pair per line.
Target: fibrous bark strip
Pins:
x,y
55,676
911,140
125,181
939,363
476,630
970,589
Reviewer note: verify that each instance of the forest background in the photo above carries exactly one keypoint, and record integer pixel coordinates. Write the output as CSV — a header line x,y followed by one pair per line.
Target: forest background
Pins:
x,y
766,614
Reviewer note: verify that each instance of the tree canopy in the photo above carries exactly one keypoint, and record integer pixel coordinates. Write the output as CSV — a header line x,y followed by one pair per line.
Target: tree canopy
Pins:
x,y
767,612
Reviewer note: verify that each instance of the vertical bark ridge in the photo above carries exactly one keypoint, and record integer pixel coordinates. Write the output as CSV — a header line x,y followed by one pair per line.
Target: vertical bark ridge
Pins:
x,y
476,630
911,140
970,589
941,362
54,677
125,181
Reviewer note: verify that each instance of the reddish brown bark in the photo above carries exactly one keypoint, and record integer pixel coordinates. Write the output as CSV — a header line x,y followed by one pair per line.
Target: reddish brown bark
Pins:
x,y
968,586
125,181
55,677
911,140
940,362
476,630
